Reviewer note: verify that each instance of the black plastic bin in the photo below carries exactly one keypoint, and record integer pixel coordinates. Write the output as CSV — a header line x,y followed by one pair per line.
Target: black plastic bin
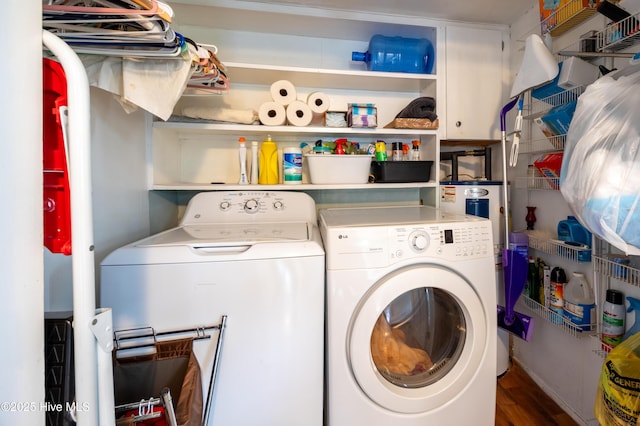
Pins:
x,y
401,171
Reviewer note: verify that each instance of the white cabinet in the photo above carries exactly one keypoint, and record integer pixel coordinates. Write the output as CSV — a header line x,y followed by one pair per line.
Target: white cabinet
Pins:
x,y
474,79
314,53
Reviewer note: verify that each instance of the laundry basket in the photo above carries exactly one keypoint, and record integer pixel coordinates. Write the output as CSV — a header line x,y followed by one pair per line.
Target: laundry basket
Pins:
x,y
141,381
145,367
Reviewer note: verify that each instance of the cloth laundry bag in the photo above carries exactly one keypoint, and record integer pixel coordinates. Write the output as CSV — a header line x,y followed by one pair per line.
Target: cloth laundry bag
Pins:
x,y
600,174
173,365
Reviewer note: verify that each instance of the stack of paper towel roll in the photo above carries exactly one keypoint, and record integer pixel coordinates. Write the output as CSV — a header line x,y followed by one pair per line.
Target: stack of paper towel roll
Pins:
x,y
286,108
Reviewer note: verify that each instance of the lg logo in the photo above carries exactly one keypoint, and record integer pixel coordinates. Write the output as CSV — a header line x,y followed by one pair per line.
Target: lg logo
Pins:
x,y
343,237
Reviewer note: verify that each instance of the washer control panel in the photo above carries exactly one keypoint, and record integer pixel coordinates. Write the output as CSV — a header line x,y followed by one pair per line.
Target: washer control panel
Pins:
x,y
249,206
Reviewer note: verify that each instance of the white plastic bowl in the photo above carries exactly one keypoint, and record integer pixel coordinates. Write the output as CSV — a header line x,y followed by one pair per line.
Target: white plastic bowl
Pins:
x,y
338,169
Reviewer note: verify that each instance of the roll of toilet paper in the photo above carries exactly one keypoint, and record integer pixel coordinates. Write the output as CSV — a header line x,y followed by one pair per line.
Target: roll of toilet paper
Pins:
x,y
283,92
299,114
318,102
272,114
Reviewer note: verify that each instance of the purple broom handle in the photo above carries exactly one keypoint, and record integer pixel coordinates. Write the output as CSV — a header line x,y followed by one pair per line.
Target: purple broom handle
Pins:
x,y
503,113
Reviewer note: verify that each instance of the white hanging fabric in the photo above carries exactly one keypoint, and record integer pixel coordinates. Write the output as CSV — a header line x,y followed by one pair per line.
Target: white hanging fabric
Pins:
x,y
130,50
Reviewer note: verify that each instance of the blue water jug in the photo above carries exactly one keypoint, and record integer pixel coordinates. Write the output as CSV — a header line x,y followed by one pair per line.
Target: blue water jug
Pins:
x,y
397,54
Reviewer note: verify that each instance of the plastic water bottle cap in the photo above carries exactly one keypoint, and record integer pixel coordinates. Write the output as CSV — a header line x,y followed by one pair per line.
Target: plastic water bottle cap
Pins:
x,y
359,56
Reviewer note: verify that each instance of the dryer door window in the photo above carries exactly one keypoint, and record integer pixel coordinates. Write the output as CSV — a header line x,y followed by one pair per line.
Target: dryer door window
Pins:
x,y
418,337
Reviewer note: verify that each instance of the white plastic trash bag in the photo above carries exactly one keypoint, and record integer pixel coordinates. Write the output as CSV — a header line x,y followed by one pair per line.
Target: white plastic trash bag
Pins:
x,y
600,175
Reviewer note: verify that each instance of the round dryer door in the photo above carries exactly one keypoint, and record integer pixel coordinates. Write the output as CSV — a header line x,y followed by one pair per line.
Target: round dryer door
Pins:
x,y
417,338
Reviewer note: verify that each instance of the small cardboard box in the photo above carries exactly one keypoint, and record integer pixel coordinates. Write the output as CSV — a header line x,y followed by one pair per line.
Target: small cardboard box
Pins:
x,y
362,115
549,165
558,119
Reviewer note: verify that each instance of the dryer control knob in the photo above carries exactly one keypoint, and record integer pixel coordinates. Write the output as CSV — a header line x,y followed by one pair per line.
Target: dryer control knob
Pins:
x,y
225,205
419,241
278,205
251,206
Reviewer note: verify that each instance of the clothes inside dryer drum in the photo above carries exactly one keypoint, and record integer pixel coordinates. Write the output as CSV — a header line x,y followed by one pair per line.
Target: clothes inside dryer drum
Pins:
x,y
419,337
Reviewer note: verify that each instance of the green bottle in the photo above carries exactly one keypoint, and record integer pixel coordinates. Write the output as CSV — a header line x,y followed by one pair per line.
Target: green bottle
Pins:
x,y
533,281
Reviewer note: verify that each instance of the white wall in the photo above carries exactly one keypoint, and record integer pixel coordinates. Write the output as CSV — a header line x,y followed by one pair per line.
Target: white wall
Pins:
x,y
21,292
34,282
120,199
567,368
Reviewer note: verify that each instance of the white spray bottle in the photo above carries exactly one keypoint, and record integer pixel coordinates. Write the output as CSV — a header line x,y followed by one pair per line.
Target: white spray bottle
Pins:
x,y
254,162
243,162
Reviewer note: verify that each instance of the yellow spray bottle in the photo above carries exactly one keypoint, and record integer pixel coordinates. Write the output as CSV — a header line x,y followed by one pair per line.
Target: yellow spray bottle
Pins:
x,y
268,163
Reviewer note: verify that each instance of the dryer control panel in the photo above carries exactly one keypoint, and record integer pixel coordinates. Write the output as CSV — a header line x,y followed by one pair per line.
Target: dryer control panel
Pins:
x,y
445,241
379,246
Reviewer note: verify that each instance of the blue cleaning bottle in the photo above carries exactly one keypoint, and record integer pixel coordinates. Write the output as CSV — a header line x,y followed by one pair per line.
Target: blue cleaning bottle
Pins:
x,y
634,305
571,230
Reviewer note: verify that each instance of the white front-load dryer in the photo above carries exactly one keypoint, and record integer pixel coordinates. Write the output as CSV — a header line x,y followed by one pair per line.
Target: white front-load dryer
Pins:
x,y
411,317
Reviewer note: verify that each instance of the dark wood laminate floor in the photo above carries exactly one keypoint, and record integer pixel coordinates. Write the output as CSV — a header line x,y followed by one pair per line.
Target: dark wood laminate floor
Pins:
x,y
521,402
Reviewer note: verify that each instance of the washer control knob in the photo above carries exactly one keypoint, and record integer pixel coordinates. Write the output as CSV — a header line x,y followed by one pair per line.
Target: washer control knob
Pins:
x,y
225,205
251,206
419,241
278,205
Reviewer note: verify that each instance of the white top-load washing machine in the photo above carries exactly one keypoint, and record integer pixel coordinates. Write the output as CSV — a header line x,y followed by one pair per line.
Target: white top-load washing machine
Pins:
x,y
411,317
256,257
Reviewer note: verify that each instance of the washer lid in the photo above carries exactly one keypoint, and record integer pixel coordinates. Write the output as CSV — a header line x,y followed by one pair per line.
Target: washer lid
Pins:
x,y
229,234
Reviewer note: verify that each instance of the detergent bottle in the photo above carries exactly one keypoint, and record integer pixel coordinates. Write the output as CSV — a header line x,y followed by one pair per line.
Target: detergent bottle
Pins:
x,y
381,151
269,167
634,306
579,301
556,298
